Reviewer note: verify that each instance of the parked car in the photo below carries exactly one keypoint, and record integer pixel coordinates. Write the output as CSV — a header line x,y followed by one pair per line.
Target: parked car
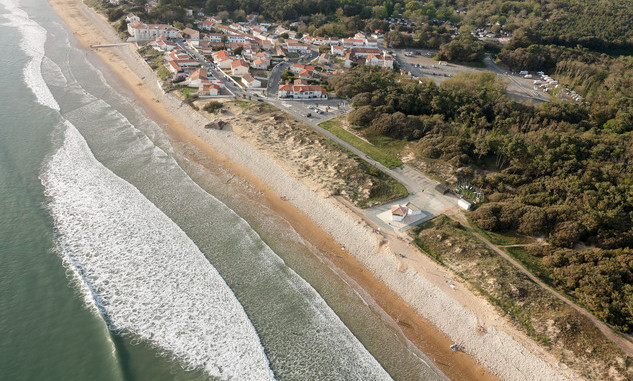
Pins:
x,y
308,115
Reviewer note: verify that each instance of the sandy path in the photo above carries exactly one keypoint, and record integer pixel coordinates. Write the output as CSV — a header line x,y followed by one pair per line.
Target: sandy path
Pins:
x,y
412,291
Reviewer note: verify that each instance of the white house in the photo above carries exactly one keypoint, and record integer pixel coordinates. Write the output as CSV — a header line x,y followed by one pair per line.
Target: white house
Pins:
x,y
296,47
162,44
239,68
398,212
251,82
141,31
236,39
197,77
371,42
297,68
348,60
260,63
383,60
337,50
365,52
321,41
131,17
208,89
413,210
302,91
206,25
353,43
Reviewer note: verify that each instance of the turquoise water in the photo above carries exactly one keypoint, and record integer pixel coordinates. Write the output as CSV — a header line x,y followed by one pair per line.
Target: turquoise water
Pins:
x,y
116,265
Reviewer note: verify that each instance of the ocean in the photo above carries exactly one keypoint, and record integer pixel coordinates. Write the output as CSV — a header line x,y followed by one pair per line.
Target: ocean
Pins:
x,y
120,259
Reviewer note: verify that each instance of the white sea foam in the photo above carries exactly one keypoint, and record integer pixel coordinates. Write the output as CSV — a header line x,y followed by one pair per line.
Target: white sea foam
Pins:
x,y
147,277
33,38
53,73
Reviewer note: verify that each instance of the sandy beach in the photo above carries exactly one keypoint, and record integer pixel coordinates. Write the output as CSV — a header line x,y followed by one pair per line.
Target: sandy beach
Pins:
x,y
412,291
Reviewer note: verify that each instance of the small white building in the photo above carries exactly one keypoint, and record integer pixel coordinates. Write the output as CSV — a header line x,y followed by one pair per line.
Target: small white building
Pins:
x,y
197,77
208,89
353,43
206,25
239,68
382,60
337,50
259,63
296,47
141,31
464,204
132,17
413,210
302,91
398,212
251,82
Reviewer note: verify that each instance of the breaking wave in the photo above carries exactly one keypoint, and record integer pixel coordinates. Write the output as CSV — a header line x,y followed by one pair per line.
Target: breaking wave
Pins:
x,y
148,279
33,38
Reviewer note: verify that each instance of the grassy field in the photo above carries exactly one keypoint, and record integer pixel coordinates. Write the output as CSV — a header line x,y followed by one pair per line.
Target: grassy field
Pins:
x,y
381,155
187,91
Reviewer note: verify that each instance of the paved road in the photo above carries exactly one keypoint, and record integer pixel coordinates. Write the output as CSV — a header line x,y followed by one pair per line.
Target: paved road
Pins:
x,y
275,77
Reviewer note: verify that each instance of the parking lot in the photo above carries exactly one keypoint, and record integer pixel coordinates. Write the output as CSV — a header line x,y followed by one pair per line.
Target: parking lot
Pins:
x,y
319,110
422,65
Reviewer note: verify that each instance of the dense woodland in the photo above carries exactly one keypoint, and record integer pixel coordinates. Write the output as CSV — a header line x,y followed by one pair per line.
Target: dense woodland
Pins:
x,y
559,170
600,25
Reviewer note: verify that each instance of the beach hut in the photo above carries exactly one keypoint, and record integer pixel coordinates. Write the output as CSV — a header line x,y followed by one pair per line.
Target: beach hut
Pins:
x,y
398,212
464,204
413,210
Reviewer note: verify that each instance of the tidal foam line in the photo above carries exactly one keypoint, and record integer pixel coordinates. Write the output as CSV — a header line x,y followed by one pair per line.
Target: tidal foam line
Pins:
x,y
148,279
33,38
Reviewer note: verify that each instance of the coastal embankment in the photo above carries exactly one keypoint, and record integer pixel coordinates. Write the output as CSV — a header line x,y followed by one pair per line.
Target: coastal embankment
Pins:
x,y
413,293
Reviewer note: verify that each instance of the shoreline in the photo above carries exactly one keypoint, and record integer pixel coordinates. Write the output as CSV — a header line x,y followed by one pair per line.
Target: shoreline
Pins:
x,y
418,330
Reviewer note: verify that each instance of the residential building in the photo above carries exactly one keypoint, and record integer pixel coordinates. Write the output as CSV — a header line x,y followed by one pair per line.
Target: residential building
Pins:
x,y
382,60
207,89
353,43
297,68
206,25
306,74
399,212
251,82
143,32
348,60
197,77
162,44
296,47
259,63
239,68
302,91
365,52
337,50
236,39
131,17
224,63
371,42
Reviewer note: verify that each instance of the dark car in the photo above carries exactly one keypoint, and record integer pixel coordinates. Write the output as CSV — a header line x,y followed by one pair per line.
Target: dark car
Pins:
x,y
308,115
